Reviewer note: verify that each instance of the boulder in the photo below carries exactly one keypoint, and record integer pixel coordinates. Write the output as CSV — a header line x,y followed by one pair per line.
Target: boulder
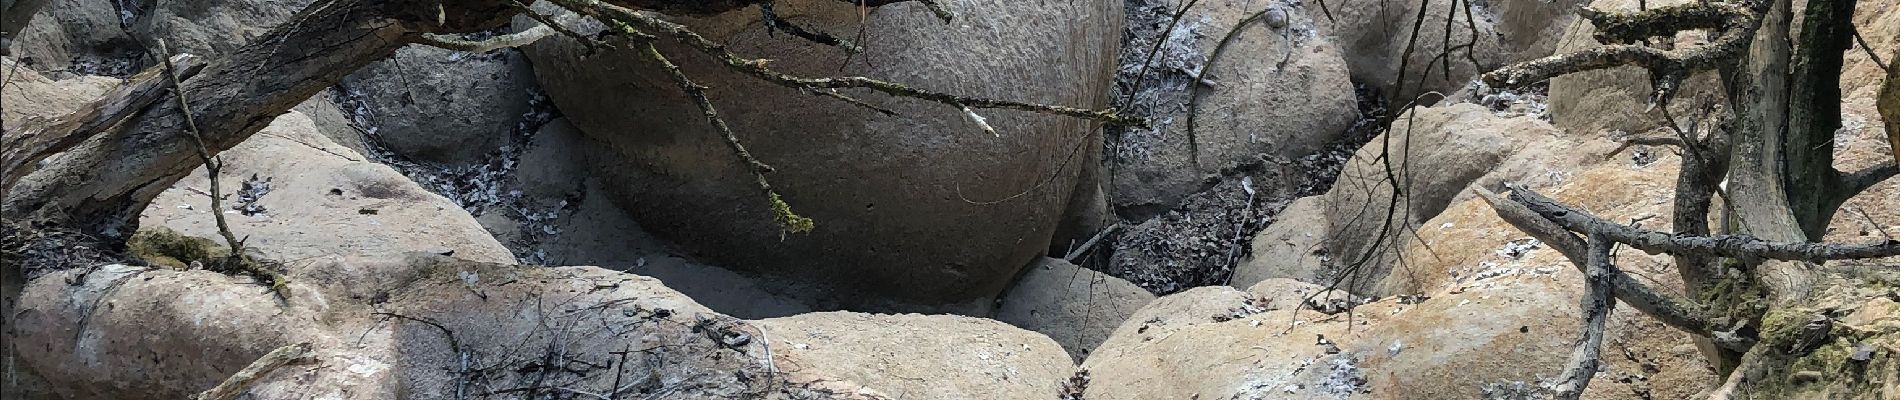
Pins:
x,y
80,36
920,356
444,106
1220,343
214,28
1376,36
322,200
1292,247
34,98
1437,153
923,208
1531,29
1617,99
1277,92
1077,307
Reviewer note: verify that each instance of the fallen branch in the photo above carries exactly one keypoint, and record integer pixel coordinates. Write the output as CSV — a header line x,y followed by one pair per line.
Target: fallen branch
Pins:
x,y
1598,301
242,380
517,39
26,148
1090,244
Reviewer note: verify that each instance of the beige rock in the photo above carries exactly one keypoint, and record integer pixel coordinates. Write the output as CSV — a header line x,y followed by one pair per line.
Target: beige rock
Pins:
x,y
1176,348
81,35
1077,307
908,208
1437,153
1292,247
324,200
1530,29
333,123
1277,94
31,96
921,356
1617,99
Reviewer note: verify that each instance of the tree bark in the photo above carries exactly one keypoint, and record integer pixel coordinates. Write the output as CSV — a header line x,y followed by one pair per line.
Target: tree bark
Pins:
x,y
1814,186
102,184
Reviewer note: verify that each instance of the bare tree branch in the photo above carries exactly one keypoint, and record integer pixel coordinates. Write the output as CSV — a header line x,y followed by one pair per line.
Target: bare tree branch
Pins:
x,y
517,39
1743,247
241,381
1680,314
1598,301
1667,67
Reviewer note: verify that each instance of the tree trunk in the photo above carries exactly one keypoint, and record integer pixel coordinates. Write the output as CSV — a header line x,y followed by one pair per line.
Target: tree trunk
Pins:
x,y
1814,187
102,184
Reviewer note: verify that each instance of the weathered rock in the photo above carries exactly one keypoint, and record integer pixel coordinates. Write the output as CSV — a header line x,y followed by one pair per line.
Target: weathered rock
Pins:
x,y
129,332
922,208
215,28
323,200
921,356
333,123
1254,351
82,36
1377,37
1436,153
1617,99
1529,29
1292,247
1077,307
33,98
1273,95
444,106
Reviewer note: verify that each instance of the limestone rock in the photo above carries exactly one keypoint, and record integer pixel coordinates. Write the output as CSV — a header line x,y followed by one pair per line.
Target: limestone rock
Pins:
x,y
212,28
323,200
1077,307
922,208
921,356
82,36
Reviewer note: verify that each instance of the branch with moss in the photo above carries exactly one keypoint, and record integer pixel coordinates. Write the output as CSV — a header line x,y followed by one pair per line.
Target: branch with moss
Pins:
x,y
1743,247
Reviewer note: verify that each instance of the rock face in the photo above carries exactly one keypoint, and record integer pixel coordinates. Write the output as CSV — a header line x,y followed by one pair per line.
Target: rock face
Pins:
x,y
1376,38
1221,343
1436,152
1077,307
80,35
921,356
1615,99
212,28
322,200
444,106
1278,91
922,208
1293,246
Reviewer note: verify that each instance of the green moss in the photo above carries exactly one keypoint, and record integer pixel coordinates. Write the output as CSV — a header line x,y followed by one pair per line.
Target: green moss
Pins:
x,y
164,247
788,221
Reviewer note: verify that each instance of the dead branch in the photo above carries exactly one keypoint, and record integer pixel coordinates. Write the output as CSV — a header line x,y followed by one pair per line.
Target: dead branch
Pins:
x,y
1743,247
33,144
1737,25
1598,301
1681,314
789,222
242,380
517,39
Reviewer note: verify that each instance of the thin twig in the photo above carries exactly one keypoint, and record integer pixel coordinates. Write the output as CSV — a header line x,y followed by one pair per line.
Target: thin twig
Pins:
x,y
241,381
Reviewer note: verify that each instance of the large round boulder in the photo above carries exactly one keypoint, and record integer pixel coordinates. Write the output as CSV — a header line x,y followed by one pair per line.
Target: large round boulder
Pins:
x,y
922,207
1279,90
1378,38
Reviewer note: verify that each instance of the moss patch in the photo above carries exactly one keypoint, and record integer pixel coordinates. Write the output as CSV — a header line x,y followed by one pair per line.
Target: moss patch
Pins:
x,y
160,246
